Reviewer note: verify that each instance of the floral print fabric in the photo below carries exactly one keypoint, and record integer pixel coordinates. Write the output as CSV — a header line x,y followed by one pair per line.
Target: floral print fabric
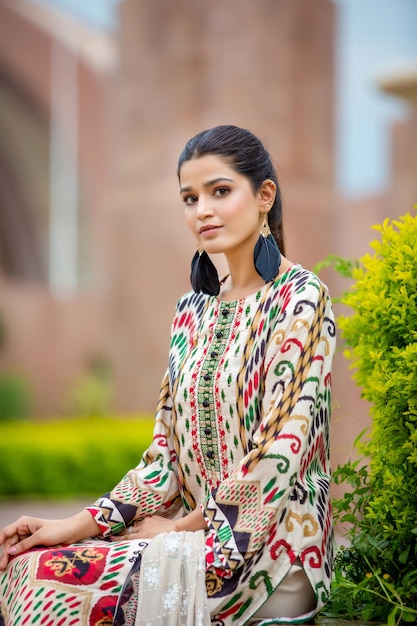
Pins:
x,y
172,588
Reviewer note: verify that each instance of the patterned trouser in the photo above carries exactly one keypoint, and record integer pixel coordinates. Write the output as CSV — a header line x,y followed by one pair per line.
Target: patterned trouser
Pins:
x,y
66,586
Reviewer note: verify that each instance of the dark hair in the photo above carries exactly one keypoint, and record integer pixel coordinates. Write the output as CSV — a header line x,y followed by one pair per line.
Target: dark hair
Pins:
x,y
248,156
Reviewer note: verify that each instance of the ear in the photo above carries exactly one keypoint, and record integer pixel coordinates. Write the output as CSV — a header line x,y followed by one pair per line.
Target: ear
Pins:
x,y
266,195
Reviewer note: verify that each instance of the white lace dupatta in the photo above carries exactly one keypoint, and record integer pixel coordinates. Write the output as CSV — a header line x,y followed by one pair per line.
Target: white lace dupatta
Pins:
x,y
172,586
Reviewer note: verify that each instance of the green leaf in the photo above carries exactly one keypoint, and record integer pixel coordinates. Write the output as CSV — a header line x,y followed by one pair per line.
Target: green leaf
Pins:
x,y
379,570
408,616
391,621
403,557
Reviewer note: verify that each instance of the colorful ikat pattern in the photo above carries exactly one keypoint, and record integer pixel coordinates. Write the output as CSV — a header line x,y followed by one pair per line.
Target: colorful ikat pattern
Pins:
x,y
241,430
252,412
66,585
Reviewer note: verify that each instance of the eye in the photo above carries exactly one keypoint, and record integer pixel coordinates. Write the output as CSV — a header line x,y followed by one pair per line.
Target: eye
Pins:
x,y
189,200
221,191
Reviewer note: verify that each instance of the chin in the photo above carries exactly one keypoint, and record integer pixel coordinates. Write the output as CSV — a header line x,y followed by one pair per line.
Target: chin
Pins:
x,y
214,248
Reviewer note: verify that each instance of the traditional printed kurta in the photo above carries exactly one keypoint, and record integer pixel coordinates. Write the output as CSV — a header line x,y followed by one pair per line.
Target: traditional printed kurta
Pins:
x,y
241,431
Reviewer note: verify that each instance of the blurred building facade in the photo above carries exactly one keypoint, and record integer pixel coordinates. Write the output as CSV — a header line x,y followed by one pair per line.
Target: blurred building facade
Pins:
x,y
106,115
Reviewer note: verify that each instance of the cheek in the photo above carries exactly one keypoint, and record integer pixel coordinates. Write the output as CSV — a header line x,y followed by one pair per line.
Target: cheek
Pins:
x,y
242,207
189,220
243,215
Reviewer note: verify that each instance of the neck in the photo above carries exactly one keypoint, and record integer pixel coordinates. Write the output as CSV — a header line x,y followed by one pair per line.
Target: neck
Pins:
x,y
243,278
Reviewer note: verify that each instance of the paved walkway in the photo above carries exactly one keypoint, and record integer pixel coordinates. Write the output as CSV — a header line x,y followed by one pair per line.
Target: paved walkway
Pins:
x,y
10,510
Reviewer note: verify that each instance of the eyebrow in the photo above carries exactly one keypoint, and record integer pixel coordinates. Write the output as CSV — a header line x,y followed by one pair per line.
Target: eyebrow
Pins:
x,y
209,183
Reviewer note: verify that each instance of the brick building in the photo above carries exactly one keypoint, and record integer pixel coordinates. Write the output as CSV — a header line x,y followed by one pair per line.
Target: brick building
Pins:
x,y
91,125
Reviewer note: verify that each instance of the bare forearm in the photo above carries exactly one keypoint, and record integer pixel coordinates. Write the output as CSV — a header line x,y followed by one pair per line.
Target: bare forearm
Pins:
x,y
192,522
83,526
28,532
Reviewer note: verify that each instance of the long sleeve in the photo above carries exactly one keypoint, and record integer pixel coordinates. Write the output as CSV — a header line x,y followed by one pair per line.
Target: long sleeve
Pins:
x,y
275,490
151,487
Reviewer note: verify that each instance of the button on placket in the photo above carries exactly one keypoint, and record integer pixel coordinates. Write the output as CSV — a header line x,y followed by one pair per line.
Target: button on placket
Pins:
x,y
208,430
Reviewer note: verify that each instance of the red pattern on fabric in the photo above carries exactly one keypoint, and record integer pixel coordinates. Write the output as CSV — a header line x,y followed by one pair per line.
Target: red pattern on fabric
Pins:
x,y
75,566
282,546
102,613
313,556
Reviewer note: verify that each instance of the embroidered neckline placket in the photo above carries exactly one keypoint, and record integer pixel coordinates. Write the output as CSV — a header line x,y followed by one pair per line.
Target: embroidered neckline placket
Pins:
x,y
208,418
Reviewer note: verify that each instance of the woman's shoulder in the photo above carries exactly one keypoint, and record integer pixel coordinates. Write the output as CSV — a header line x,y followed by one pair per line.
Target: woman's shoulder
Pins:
x,y
297,288
190,308
192,300
298,279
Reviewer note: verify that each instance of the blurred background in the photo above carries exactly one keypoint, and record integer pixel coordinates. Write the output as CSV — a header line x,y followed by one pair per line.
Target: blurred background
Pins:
x,y
97,100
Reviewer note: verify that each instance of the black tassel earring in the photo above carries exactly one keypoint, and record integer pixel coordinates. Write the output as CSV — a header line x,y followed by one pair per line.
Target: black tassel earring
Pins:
x,y
266,255
204,276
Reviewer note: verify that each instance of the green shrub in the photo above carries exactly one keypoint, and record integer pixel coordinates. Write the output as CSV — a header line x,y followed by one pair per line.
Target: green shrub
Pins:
x,y
70,458
14,397
376,576
92,393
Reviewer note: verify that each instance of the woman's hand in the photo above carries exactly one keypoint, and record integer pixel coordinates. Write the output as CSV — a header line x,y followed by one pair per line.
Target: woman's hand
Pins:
x,y
28,532
150,527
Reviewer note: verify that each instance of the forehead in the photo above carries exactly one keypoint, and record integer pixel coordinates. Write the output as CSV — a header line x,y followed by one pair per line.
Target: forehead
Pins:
x,y
206,168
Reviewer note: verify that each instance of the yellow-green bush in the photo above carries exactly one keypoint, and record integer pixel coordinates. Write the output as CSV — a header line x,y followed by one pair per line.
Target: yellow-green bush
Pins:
x,y
73,457
376,577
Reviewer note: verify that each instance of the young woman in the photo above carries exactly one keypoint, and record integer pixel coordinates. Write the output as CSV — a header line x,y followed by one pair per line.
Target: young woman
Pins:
x,y
227,518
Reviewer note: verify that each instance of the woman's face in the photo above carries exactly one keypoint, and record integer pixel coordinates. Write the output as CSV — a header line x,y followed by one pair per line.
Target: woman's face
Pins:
x,y
221,208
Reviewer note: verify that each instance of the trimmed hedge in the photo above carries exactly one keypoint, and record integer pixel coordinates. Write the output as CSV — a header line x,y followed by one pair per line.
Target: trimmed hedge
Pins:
x,y
77,457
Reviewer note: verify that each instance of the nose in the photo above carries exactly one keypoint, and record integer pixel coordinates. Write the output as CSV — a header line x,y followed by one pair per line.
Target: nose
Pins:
x,y
204,206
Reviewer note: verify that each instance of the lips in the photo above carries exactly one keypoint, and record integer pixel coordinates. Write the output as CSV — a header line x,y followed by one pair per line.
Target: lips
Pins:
x,y
208,228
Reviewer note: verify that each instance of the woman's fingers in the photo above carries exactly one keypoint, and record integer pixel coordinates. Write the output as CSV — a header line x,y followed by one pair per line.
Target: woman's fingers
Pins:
x,y
19,543
23,527
28,532
4,551
18,537
129,533
147,528
11,539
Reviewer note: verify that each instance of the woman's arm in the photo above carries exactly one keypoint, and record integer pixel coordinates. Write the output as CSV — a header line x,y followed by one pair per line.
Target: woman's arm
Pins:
x,y
149,489
156,524
28,532
193,521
